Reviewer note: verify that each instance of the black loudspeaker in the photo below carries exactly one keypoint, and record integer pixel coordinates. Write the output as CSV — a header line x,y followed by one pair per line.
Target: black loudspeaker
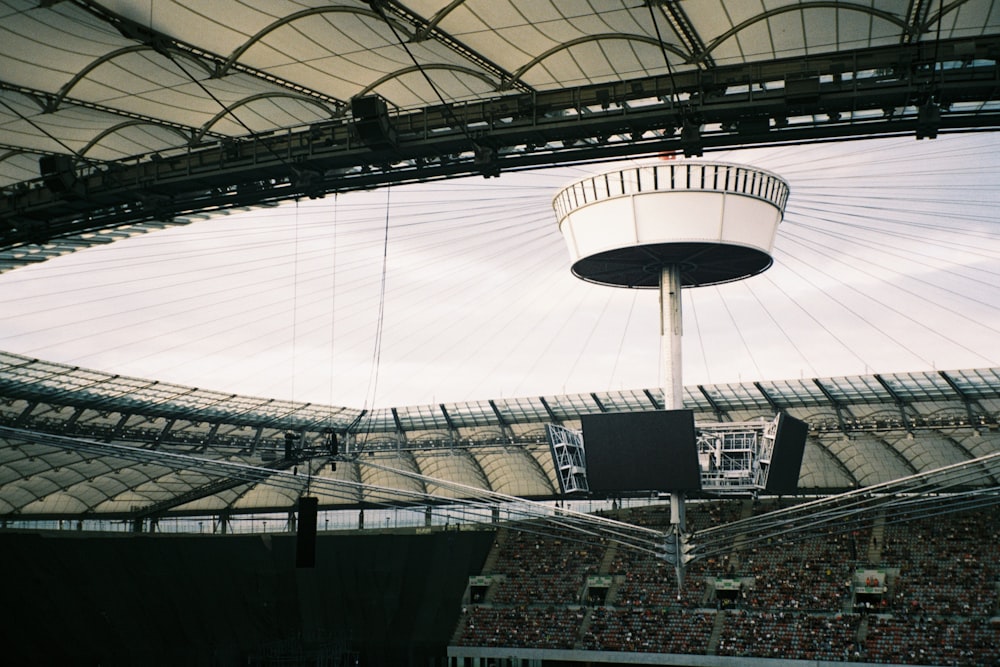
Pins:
x,y
57,173
786,459
371,121
368,106
305,539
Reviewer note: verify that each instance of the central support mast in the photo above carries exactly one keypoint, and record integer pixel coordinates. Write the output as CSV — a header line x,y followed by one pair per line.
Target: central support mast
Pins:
x,y
671,331
668,226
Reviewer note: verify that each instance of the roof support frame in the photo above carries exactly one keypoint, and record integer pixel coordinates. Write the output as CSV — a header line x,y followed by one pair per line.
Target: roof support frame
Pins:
x,y
798,7
838,408
767,397
452,427
424,68
188,138
720,414
505,427
839,463
548,410
290,18
966,400
425,29
657,403
900,404
165,44
203,178
56,100
518,74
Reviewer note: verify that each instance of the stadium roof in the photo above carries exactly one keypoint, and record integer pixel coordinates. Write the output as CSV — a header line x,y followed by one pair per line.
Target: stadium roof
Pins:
x,y
118,118
147,114
85,444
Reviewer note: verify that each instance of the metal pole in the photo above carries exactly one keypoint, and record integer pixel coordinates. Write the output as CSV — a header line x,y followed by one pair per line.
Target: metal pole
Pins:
x,y
671,330
670,337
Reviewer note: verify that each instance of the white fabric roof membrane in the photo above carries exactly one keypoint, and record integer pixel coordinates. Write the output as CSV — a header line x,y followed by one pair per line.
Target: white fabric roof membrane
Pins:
x,y
114,79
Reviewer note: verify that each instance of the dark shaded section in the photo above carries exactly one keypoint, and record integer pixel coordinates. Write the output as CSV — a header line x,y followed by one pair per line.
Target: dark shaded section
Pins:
x,y
629,452
305,537
701,264
786,459
81,599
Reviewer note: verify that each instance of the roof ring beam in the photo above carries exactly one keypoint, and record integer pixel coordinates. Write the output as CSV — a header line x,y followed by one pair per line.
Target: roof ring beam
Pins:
x,y
414,68
818,4
285,20
57,100
516,76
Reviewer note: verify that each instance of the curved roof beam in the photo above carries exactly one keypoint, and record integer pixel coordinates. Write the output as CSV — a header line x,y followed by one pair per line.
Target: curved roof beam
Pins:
x,y
414,68
839,464
537,466
56,100
936,18
817,4
9,154
424,32
253,98
478,467
121,126
516,76
285,20
900,456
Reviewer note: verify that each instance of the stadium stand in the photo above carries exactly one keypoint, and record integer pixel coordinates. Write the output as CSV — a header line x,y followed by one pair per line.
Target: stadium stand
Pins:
x,y
797,600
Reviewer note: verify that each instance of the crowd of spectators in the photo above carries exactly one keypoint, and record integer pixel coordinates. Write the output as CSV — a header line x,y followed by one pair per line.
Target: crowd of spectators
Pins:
x,y
520,626
927,640
543,569
649,630
947,565
783,634
793,601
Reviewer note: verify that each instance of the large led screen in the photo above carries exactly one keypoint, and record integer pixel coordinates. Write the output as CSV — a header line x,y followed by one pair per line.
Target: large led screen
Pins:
x,y
629,452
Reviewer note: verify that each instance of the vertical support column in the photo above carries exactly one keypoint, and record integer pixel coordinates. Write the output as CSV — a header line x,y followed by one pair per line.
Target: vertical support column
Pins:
x,y
671,330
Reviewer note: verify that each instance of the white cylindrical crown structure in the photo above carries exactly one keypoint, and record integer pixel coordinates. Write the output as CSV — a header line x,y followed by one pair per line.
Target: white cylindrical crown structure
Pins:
x,y
715,221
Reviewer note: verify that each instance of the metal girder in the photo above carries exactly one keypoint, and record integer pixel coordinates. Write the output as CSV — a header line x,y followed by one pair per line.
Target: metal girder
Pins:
x,y
399,424
157,509
840,409
968,402
720,413
917,89
505,427
657,403
900,404
770,400
553,417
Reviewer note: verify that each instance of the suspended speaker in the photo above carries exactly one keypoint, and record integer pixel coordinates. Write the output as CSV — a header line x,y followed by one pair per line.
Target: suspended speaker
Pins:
x,y
305,542
57,173
371,122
